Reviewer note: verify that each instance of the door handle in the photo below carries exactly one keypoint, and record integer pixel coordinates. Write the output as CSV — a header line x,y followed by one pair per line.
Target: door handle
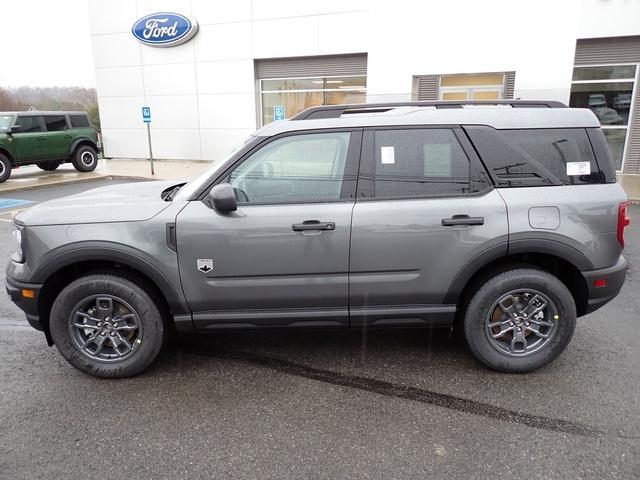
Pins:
x,y
313,225
462,220
68,136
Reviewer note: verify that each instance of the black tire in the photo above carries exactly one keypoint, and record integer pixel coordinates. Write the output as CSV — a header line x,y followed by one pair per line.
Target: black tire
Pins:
x,y
48,166
85,158
146,342
502,353
5,168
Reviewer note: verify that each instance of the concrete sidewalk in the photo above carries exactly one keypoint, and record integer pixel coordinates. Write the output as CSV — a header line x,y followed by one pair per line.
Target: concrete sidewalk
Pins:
x,y
31,176
24,178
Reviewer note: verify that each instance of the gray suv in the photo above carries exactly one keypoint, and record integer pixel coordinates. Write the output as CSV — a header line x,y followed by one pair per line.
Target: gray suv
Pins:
x,y
502,220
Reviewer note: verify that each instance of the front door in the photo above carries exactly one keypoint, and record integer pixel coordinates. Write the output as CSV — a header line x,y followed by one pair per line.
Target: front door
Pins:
x,y
283,257
30,141
425,209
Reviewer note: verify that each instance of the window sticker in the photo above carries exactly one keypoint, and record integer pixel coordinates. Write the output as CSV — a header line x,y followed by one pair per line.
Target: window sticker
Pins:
x,y
387,155
578,168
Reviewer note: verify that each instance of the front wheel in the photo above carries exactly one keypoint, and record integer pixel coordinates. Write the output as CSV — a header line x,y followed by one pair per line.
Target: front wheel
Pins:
x,y
106,326
5,168
520,320
85,159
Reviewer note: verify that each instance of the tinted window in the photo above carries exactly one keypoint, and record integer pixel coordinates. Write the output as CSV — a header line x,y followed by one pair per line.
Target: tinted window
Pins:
x,y
296,169
29,123
55,123
79,121
419,162
566,153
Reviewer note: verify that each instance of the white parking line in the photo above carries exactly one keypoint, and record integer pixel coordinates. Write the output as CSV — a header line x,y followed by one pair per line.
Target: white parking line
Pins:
x,y
12,213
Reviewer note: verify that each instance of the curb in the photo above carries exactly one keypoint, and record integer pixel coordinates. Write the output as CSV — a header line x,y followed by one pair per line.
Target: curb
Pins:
x,y
76,180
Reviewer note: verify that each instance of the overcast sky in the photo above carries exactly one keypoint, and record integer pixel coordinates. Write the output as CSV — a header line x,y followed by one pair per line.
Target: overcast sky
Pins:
x,y
45,43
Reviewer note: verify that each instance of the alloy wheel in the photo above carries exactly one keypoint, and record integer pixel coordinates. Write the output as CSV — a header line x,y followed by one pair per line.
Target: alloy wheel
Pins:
x,y
521,322
105,328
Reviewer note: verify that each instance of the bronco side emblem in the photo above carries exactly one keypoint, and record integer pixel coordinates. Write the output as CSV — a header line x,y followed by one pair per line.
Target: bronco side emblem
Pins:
x,y
205,264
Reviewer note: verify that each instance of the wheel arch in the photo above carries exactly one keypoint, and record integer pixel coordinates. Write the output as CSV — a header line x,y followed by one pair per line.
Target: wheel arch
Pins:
x,y
4,151
563,262
80,142
56,274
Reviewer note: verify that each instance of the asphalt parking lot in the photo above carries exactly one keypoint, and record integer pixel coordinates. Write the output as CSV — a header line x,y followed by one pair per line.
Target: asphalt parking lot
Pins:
x,y
401,404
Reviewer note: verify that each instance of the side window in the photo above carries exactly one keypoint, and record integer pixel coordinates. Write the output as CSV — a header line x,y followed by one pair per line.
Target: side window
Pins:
x,y
56,123
295,169
79,121
565,152
419,162
29,123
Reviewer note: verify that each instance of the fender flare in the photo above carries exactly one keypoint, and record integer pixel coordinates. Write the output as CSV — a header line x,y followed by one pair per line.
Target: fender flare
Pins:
x,y
122,254
5,151
80,140
521,245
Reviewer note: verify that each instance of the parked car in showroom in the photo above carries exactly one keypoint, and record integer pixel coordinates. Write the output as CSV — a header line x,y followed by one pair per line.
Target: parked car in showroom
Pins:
x,y
505,222
608,116
47,139
597,100
622,101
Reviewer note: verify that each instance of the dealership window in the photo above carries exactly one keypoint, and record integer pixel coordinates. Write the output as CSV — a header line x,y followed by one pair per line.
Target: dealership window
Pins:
x,y
297,94
608,91
481,86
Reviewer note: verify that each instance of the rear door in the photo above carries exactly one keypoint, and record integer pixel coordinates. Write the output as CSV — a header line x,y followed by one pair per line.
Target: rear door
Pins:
x,y
283,257
425,209
30,141
58,136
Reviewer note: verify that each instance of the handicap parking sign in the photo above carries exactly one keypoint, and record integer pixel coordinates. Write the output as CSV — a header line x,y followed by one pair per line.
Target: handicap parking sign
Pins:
x,y
146,114
279,112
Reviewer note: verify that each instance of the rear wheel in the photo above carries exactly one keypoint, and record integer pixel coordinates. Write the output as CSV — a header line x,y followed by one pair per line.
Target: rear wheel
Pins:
x,y
48,166
107,326
520,320
5,168
85,158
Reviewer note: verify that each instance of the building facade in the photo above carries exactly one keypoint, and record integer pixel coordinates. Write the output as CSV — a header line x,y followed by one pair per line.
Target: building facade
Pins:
x,y
255,61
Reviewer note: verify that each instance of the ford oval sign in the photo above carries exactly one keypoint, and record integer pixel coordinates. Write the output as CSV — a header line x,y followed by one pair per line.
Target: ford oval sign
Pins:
x,y
164,29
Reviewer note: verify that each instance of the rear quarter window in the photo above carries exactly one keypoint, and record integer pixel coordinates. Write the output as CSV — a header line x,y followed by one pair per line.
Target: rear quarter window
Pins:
x,y
536,157
79,121
566,153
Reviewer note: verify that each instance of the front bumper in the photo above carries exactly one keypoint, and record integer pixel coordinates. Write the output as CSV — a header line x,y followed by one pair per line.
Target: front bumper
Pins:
x,y
614,277
28,305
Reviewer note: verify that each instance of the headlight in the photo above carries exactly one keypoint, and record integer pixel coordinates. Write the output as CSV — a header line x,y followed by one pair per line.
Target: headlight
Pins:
x,y
18,256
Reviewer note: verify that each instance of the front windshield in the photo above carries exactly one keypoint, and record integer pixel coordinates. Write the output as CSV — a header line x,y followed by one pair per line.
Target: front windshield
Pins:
x,y
195,186
5,121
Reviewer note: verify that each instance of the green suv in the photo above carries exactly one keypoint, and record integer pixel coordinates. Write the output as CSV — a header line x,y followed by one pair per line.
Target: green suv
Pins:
x,y
47,139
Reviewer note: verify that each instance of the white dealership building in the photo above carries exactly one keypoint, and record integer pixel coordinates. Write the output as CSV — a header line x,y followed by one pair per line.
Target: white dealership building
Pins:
x,y
249,60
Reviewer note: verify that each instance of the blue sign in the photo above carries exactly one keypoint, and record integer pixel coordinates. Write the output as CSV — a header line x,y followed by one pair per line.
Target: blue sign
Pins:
x,y
279,112
146,114
164,29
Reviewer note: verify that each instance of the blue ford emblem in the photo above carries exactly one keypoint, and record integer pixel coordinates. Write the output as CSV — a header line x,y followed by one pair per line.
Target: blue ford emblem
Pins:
x,y
164,29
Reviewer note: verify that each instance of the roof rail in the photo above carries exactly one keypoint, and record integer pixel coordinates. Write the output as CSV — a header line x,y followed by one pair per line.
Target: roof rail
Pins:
x,y
336,111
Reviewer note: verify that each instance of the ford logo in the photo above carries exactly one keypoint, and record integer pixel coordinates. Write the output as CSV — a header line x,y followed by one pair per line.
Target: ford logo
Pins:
x,y
164,29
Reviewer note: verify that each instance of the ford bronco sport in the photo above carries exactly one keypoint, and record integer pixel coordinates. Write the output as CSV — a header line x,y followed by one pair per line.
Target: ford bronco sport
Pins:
x,y
503,220
47,139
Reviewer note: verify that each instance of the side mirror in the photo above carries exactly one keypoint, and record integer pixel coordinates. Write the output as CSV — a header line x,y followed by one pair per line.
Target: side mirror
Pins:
x,y
222,197
15,129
